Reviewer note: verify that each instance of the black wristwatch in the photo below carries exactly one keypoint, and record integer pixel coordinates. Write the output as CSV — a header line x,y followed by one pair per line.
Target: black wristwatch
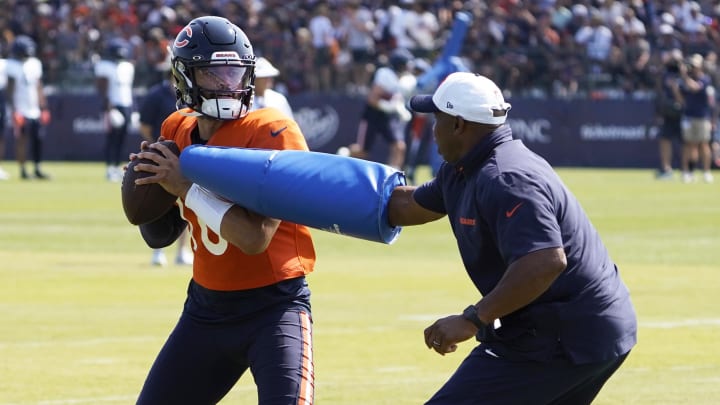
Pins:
x,y
470,314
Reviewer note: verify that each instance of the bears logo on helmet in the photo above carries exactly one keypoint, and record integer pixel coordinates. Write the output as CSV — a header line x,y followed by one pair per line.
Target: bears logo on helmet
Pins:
x,y
179,43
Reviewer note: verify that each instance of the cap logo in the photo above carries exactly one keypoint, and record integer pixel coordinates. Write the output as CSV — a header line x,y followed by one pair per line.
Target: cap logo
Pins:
x,y
449,105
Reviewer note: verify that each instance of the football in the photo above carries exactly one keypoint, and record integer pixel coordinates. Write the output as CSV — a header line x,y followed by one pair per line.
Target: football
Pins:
x,y
148,202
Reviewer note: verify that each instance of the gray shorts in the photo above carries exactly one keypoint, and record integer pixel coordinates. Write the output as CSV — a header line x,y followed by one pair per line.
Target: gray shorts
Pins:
x,y
696,130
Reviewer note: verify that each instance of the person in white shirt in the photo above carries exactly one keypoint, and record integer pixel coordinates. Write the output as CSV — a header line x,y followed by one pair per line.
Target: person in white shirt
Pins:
x,y
265,95
323,40
28,104
385,113
114,82
424,28
358,26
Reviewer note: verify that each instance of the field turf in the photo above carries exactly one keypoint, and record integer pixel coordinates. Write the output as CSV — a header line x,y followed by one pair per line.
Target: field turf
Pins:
x,y
83,313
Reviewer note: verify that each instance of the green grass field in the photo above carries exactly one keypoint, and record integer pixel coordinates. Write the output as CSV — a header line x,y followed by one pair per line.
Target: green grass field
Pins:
x,y
83,314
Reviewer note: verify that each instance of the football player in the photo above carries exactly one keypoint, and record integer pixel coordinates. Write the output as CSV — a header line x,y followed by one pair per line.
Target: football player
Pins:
x,y
248,302
385,113
115,75
27,102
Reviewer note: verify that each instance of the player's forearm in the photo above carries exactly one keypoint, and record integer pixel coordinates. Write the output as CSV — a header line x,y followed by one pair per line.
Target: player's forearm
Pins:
x,y
250,232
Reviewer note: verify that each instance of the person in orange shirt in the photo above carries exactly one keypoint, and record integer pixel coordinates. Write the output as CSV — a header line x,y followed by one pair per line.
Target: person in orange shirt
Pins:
x,y
248,302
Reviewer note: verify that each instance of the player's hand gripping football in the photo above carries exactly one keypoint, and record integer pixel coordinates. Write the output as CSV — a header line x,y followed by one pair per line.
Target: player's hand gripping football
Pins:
x,y
165,171
444,335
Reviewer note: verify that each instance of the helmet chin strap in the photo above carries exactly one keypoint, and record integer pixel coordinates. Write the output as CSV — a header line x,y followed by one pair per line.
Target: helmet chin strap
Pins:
x,y
218,108
222,108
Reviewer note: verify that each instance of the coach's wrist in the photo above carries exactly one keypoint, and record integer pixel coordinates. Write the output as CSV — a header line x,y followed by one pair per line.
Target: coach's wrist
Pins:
x,y
470,314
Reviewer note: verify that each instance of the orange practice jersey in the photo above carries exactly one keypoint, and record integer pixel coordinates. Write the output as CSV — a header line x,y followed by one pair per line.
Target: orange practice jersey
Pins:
x,y
219,265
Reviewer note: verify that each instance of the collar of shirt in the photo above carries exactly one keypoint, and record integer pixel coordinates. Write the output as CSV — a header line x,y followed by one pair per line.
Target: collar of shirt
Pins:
x,y
479,154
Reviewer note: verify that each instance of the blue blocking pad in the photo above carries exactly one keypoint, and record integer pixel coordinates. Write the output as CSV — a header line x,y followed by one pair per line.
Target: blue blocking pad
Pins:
x,y
338,194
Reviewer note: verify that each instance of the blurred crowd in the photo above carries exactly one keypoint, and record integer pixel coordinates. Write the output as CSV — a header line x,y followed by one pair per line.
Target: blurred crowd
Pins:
x,y
534,48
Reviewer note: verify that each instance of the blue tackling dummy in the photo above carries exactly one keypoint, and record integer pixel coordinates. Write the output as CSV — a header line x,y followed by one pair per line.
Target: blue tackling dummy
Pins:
x,y
333,193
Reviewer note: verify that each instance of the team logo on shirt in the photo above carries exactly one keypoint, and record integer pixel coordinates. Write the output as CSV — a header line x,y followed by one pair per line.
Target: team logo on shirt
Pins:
x,y
185,34
467,221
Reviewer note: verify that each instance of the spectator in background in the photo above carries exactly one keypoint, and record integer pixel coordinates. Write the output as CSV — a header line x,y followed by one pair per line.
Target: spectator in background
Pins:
x,y
28,104
265,95
667,43
423,27
3,84
699,117
385,113
155,56
566,68
636,60
115,75
715,148
358,26
300,72
668,114
400,23
324,45
158,104
596,38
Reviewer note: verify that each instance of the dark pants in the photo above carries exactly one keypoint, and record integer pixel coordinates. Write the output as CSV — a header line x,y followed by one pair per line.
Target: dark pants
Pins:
x,y
116,139
31,132
488,380
375,122
205,356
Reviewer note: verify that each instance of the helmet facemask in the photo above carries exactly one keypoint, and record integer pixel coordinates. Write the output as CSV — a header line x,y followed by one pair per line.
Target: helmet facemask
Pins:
x,y
217,90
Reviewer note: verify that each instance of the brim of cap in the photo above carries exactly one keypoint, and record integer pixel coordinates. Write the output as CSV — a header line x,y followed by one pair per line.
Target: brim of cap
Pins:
x,y
423,104
267,73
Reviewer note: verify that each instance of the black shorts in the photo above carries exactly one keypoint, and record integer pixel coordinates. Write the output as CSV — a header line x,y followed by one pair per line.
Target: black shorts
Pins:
x,y
375,122
323,57
362,56
671,129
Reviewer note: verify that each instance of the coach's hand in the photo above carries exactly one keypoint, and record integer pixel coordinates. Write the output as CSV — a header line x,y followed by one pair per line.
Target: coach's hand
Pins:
x,y
444,335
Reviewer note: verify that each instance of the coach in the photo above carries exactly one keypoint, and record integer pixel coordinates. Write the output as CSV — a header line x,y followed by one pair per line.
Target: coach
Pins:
x,y
555,320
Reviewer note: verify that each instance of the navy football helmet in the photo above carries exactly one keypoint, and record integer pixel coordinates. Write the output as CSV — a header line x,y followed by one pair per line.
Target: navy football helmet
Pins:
x,y
23,47
117,49
213,65
399,59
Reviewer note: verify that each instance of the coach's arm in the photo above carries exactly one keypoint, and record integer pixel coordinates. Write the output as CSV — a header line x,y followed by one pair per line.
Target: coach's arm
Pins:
x,y
403,210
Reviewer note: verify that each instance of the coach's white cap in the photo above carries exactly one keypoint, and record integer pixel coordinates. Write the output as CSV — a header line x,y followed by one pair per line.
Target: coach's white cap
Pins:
x,y
468,95
263,68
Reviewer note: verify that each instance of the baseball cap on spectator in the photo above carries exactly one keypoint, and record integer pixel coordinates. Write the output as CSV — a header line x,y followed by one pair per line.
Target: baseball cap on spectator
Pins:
x,y
636,28
263,68
668,18
579,10
696,60
468,95
666,29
